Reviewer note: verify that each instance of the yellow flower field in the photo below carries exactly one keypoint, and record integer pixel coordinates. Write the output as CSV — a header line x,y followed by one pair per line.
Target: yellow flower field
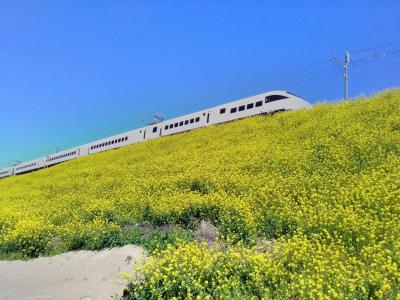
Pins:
x,y
307,204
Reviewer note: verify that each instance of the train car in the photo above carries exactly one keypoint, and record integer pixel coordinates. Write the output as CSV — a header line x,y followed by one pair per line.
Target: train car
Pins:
x,y
112,142
62,156
177,125
6,172
265,103
30,166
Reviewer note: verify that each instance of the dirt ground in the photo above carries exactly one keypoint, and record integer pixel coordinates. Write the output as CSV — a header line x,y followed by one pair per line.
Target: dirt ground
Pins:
x,y
74,275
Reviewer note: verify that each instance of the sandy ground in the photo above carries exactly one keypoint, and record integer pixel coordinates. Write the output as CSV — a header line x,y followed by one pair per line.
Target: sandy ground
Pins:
x,y
74,275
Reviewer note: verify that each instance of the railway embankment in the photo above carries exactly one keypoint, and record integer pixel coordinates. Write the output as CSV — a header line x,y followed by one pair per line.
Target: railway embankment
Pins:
x,y
304,205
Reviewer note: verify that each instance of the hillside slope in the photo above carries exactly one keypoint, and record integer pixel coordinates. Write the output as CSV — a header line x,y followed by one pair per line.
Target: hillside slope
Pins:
x,y
322,182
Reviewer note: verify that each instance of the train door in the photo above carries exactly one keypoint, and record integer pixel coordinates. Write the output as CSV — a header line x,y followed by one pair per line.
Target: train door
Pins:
x,y
144,134
208,118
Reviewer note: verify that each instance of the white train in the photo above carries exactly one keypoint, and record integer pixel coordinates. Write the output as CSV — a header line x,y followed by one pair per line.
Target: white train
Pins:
x,y
266,103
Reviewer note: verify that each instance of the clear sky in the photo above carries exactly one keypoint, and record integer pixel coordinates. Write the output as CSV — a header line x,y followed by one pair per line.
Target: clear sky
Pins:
x,y
75,71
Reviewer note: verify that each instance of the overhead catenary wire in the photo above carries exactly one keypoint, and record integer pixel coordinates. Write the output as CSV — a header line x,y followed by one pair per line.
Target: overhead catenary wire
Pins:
x,y
298,77
373,48
314,74
294,81
294,78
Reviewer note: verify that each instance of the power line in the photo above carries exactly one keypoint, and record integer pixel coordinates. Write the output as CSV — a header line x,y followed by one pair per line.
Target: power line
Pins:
x,y
294,81
387,45
192,106
300,76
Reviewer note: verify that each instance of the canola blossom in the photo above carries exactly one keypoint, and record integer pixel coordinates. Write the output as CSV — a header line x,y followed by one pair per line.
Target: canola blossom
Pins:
x,y
306,203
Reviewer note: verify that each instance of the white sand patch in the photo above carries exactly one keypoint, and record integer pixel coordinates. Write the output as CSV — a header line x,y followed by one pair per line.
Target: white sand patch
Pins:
x,y
74,275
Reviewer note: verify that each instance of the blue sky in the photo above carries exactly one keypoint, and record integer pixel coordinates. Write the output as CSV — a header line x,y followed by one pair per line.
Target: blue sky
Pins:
x,y
75,71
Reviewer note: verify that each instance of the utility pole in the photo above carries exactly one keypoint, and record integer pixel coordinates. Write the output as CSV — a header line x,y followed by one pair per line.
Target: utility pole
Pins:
x,y
346,74
344,70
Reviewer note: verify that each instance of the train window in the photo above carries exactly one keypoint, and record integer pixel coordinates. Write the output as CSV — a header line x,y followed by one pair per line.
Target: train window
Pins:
x,y
233,110
176,125
197,119
119,140
258,103
166,127
154,129
241,108
126,138
274,98
191,121
186,122
222,111
250,105
171,125
180,123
